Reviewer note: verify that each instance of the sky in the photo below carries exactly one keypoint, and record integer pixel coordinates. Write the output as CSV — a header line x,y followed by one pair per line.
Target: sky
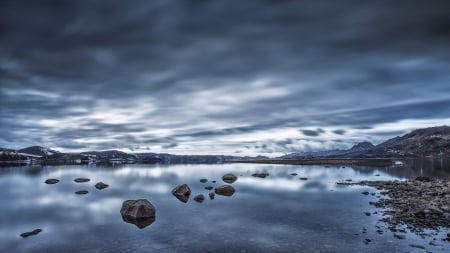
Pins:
x,y
220,77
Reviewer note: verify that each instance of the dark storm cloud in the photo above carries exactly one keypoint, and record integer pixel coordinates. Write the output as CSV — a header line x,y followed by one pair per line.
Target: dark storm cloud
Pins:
x,y
171,70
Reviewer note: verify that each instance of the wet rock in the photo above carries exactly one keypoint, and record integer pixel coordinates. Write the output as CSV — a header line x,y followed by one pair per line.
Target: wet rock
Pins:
x,y
365,193
367,213
34,232
260,175
81,180
214,181
401,237
209,188
212,195
229,178
303,178
139,212
101,185
424,179
417,246
199,198
82,192
224,190
366,241
294,174
51,181
203,180
182,192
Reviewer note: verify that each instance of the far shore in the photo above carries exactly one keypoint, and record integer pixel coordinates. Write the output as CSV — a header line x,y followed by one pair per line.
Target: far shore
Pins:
x,y
377,162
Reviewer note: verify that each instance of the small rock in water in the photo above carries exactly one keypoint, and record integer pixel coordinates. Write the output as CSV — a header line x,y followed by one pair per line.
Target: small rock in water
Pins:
x,y
81,192
139,212
417,246
211,195
367,213
214,181
229,178
366,241
294,174
224,190
303,178
101,185
365,193
34,232
51,181
199,198
260,175
81,180
203,180
209,188
401,237
182,192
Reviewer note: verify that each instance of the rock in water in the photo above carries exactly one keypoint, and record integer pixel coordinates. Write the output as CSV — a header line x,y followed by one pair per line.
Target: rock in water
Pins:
x,y
229,178
139,212
51,181
224,190
81,180
211,195
260,175
81,192
182,192
203,180
199,198
209,188
101,185
34,232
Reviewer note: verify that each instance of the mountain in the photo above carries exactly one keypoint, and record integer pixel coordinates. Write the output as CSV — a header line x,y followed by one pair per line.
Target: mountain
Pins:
x,y
425,142
37,151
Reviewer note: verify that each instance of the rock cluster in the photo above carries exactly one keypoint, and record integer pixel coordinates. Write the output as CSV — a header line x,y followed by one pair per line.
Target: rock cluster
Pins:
x,y
420,204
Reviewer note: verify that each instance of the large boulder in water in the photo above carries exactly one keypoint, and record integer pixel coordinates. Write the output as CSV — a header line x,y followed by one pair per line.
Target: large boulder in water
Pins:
x,y
182,192
139,212
224,190
229,178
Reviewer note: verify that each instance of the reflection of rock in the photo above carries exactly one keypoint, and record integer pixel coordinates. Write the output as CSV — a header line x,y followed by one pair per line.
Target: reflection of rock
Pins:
x,y
211,195
182,192
81,192
34,232
203,180
229,178
139,212
199,198
51,181
81,180
101,185
261,175
225,190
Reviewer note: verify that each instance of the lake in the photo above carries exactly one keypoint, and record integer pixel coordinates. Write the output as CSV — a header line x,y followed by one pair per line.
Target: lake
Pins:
x,y
279,213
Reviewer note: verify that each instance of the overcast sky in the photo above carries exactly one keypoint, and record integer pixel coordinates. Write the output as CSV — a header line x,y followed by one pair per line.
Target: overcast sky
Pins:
x,y
222,77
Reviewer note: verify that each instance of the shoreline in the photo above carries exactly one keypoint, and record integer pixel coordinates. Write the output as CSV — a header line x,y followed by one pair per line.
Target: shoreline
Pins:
x,y
376,162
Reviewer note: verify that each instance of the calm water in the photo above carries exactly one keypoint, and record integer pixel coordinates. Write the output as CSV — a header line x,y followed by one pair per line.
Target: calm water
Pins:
x,y
279,213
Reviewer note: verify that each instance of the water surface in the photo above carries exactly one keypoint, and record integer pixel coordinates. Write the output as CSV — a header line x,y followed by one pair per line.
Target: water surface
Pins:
x,y
280,213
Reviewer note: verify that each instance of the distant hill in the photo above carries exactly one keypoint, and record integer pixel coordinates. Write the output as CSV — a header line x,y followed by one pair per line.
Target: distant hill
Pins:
x,y
37,151
425,142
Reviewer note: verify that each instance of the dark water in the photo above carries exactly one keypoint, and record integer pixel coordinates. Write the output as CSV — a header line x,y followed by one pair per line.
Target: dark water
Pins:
x,y
279,213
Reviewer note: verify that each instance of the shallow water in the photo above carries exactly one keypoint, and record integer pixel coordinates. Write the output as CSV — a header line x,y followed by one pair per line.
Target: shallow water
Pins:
x,y
280,213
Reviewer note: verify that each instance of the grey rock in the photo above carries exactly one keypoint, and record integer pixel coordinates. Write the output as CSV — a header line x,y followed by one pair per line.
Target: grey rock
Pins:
x,y
101,185
139,212
51,181
199,198
224,190
82,192
203,180
81,180
182,192
229,178
34,232
212,195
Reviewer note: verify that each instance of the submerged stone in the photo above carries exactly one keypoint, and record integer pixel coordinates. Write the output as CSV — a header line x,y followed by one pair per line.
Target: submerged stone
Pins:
x,y
101,185
34,232
199,198
81,192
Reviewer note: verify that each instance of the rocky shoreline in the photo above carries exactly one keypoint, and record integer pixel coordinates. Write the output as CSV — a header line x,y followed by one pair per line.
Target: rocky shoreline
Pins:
x,y
420,204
